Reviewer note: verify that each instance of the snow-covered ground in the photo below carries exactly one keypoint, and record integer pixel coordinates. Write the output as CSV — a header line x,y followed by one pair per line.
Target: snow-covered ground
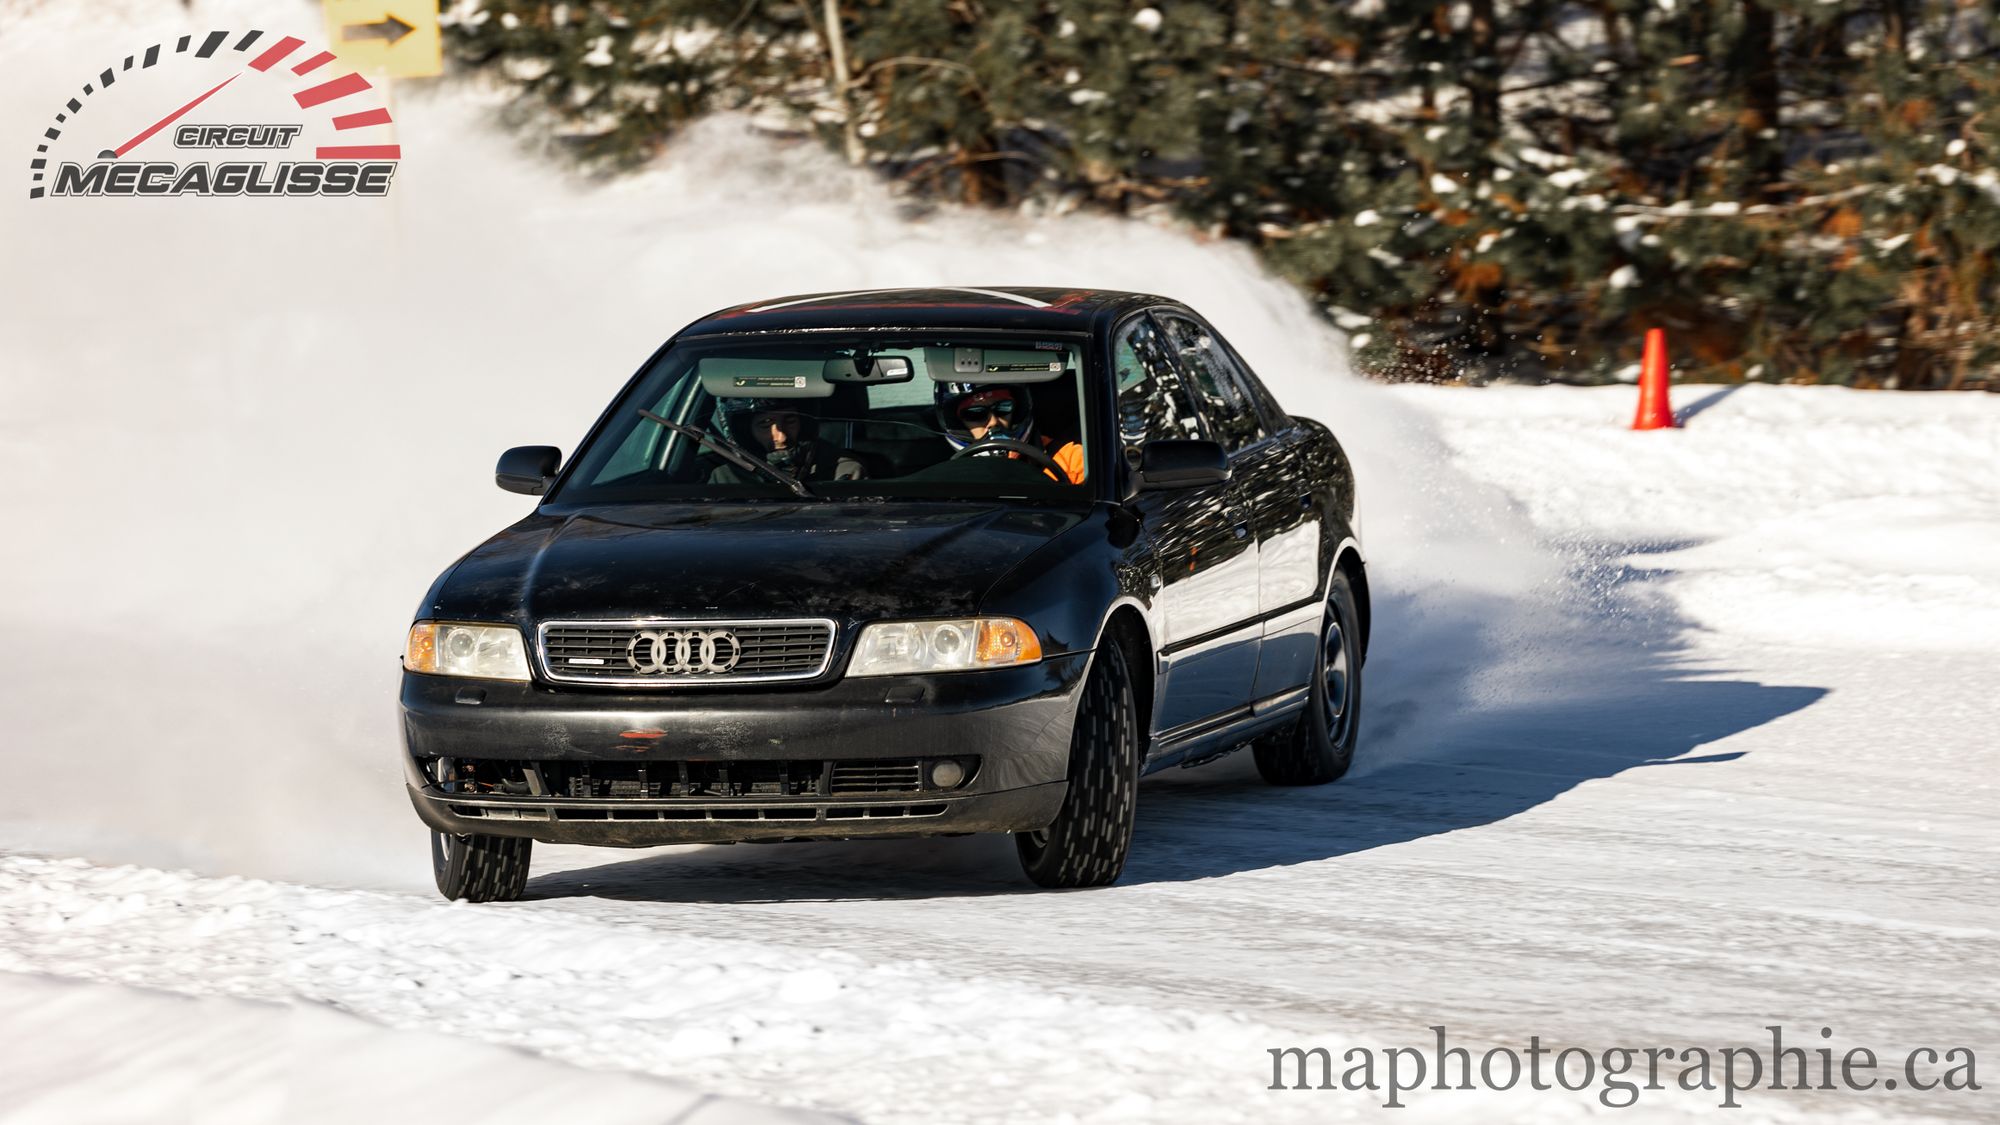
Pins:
x,y
1663,828
1669,736
82,1052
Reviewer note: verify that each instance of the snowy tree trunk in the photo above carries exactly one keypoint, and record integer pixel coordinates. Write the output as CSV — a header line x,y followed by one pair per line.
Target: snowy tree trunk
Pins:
x,y
1765,149
836,49
1896,26
1482,82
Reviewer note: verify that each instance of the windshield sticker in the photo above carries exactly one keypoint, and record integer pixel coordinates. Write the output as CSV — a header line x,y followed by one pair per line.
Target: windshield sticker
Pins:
x,y
1052,365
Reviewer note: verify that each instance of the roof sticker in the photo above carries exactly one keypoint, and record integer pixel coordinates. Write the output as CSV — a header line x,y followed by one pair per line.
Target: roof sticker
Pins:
x,y
1014,297
821,297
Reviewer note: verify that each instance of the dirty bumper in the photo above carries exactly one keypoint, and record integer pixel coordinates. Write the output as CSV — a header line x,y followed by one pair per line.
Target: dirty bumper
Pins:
x,y
853,758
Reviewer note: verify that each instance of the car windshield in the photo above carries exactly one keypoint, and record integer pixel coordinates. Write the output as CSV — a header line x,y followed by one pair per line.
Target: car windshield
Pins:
x,y
962,417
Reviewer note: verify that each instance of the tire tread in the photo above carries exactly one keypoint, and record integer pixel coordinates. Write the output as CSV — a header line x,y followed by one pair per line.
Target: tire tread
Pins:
x,y
485,868
1092,835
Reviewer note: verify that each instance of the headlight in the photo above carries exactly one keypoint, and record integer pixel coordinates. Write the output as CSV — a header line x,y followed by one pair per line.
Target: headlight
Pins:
x,y
901,648
492,652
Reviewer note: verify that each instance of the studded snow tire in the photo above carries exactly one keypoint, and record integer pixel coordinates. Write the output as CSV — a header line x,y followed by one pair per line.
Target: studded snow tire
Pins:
x,y
480,868
1087,843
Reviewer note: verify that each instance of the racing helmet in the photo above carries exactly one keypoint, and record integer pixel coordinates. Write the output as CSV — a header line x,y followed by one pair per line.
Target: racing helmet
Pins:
x,y
738,420
960,404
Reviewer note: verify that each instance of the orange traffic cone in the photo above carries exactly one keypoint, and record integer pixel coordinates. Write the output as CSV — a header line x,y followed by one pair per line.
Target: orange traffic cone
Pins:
x,y
1654,413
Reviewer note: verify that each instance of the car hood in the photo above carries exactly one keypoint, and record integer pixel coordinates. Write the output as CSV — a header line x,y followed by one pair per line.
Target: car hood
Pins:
x,y
823,559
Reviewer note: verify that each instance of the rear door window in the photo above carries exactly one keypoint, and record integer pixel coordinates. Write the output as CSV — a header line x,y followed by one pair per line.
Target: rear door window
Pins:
x,y
1275,418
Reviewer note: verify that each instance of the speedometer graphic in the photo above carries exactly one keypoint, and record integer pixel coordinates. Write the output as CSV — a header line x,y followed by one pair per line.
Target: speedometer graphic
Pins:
x,y
220,114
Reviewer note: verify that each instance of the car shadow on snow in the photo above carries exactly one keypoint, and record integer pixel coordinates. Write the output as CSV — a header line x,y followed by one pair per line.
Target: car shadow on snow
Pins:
x,y
1205,823
1478,708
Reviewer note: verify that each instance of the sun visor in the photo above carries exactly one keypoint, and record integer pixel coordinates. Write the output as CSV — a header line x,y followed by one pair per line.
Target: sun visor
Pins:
x,y
738,377
994,365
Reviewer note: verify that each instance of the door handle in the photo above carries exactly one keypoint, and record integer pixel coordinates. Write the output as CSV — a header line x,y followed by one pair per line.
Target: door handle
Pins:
x,y
1241,530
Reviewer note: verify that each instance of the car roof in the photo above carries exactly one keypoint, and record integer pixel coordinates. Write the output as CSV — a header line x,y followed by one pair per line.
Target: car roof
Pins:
x,y
1016,308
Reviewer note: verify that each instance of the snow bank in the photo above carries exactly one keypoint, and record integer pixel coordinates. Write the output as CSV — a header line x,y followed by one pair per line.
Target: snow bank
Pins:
x,y
247,434
1806,516
106,1053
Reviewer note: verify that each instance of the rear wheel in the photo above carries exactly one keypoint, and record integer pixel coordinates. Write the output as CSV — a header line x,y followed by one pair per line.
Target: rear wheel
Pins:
x,y
480,868
1087,844
1320,746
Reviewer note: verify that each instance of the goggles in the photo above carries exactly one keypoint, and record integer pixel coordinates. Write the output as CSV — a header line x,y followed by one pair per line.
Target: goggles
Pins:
x,y
977,413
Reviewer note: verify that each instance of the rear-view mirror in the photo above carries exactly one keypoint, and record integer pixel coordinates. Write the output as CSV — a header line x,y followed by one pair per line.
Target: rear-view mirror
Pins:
x,y
527,469
869,369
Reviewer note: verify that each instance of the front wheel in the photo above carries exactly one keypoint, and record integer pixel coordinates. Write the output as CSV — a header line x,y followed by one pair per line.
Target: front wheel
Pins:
x,y
480,868
1319,747
1087,843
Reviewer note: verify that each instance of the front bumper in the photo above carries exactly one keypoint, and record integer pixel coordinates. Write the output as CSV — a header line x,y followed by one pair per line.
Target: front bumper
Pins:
x,y
1013,724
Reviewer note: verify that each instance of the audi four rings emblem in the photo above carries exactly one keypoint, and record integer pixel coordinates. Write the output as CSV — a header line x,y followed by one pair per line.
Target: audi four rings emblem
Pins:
x,y
681,652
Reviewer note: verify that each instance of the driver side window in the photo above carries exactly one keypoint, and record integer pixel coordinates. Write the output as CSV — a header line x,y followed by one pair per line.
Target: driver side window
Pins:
x,y
1228,408
1152,402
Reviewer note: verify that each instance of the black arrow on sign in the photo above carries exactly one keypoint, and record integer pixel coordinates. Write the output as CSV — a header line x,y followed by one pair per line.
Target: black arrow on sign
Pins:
x,y
390,29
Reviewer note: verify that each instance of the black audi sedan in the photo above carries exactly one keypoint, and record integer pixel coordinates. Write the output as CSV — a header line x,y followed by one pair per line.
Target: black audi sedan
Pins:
x,y
908,562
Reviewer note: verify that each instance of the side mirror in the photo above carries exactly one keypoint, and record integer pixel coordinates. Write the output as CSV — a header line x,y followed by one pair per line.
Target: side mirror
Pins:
x,y
527,469
1182,463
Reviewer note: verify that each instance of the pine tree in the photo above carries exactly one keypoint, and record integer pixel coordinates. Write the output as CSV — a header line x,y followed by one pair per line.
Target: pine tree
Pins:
x,y
1482,189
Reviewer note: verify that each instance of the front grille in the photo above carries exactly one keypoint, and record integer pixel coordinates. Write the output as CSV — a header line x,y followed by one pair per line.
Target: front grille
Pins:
x,y
881,812
782,814
683,779
773,793
696,781
625,652
888,775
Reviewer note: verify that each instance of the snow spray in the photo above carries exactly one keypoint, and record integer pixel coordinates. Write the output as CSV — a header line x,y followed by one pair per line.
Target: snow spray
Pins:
x,y
243,435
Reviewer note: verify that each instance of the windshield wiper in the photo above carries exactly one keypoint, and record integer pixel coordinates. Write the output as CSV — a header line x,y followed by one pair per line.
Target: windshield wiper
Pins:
x,y
734,454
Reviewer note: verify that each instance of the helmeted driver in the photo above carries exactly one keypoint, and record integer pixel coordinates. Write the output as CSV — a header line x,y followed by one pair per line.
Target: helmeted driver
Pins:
x,y
974,412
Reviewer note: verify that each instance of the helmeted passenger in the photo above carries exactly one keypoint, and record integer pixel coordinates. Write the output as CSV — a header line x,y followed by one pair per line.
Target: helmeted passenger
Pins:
x,y
785,437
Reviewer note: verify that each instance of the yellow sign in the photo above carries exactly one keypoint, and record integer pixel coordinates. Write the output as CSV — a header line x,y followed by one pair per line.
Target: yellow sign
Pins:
x,y
398,38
